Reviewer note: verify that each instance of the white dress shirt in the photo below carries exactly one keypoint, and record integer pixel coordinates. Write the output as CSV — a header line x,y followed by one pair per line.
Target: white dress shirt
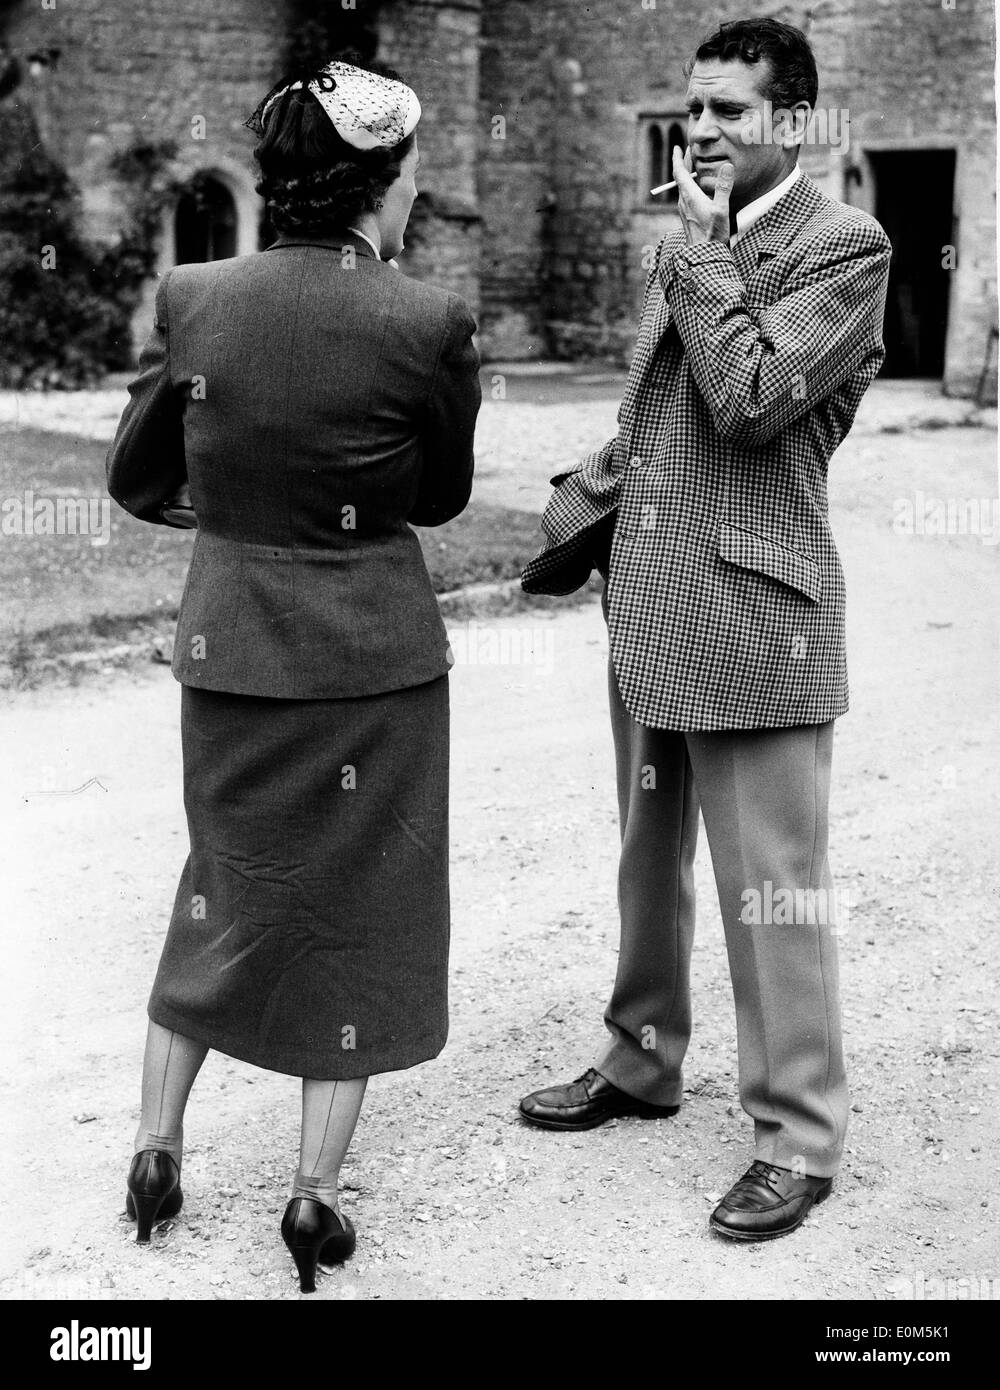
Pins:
x,y
370,242
754,211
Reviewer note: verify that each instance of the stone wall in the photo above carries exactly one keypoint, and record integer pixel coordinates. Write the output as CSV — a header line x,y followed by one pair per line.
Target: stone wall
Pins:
x,y
434,45
564,227
918,74
128,71
142,70
131,70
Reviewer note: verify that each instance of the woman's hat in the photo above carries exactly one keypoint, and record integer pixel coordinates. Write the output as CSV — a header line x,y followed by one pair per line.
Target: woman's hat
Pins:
x,y
366,109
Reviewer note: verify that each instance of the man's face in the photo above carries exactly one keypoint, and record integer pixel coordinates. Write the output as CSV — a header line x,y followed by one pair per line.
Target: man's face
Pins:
x,y
724,103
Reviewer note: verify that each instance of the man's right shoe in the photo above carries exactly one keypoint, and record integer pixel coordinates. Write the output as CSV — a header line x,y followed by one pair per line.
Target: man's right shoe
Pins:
x,y
585,1103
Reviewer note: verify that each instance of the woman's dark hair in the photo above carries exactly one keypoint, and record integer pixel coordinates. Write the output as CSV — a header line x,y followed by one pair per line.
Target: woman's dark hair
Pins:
x,y
313,181
785,49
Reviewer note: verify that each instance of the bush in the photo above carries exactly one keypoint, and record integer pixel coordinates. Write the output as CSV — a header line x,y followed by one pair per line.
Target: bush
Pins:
x,y
68,325
56,327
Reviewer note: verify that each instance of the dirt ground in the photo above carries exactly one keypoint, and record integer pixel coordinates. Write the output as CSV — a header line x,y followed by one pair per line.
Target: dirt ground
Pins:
x,y
452,1196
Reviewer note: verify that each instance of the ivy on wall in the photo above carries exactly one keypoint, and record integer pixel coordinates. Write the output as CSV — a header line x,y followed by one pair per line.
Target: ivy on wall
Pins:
x,y
56,328
66,303
145,173
320,29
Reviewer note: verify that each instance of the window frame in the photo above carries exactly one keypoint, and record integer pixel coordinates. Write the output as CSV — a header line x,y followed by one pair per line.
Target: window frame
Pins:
x,y
664,123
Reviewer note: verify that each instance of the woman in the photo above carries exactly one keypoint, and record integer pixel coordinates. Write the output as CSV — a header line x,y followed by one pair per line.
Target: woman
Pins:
x,y
315,401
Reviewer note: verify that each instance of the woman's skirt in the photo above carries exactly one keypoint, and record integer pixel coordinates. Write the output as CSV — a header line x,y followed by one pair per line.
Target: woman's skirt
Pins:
x,y
310,929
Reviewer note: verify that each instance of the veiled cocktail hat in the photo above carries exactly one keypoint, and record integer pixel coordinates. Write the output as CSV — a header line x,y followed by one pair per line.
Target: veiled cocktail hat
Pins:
x,y
367,110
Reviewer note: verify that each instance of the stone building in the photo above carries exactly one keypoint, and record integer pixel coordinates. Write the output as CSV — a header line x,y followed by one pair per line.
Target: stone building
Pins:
x,y
546,122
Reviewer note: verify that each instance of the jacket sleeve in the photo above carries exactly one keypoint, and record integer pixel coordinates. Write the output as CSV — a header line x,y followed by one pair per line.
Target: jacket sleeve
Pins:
x,y
145,464
759,369
449,423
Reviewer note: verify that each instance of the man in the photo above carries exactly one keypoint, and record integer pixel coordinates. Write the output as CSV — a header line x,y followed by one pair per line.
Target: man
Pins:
x,y
760,333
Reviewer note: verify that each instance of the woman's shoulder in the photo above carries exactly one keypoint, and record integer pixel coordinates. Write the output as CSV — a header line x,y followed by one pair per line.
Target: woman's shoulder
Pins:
x,y
425,292
191,275
434,302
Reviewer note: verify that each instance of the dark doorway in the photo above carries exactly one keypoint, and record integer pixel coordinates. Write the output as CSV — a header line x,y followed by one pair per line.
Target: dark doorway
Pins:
x,y
205,221
914,192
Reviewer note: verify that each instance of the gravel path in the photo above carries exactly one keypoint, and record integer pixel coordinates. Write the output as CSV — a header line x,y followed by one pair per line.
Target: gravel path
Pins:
x,y
452,1196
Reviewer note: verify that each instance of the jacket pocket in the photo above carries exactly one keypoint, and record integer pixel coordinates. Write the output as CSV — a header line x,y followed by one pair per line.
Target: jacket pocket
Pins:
x,y
752,551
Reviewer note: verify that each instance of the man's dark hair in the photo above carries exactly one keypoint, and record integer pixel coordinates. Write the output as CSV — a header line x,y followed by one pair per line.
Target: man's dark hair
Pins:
x,y
785,49
312,181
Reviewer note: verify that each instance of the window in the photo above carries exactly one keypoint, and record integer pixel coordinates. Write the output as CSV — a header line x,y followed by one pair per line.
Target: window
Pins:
x,y
654,155
205,221
659,136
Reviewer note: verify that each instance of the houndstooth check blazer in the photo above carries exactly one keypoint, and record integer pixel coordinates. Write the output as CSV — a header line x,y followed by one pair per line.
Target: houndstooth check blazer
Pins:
x,y
725,590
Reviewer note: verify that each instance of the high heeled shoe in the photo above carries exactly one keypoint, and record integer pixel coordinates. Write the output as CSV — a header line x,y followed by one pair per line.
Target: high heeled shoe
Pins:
x,y
154,1190
315,1233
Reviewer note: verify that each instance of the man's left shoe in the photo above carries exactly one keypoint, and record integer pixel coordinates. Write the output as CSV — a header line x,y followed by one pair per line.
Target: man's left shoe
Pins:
x,y
767,1202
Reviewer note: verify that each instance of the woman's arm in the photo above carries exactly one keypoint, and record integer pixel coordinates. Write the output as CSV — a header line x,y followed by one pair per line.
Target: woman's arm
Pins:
x,y
145,464
450,423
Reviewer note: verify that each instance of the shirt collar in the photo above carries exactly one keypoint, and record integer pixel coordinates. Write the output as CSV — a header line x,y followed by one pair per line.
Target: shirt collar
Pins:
x,y
371,243
335,241
754,211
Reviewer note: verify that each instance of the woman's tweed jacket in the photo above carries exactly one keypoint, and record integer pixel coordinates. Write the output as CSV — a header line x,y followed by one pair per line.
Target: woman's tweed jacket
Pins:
x,y
318,401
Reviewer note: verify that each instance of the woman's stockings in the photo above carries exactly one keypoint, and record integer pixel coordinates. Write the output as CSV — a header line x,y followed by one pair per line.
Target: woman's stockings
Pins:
x,y
330,1111
169,1068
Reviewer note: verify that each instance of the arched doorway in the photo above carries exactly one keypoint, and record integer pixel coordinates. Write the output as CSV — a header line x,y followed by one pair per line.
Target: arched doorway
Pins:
x,y
205,221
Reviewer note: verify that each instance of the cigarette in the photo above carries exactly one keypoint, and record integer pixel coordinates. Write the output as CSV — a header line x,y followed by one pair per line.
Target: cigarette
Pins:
x,y
666,187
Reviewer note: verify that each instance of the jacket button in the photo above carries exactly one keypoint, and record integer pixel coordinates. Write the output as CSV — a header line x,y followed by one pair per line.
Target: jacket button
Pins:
x,y
636,461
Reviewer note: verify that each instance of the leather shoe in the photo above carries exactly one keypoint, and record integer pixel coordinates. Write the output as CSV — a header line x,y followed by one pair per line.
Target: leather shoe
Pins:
x,y
767,1202
153,1190
588,1101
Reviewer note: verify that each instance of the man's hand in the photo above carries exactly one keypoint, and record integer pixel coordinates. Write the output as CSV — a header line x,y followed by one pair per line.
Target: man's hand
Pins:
x,y
179,511
704,218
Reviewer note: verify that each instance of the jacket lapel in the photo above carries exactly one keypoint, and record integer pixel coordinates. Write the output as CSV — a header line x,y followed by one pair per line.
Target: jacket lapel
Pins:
x,y
772,233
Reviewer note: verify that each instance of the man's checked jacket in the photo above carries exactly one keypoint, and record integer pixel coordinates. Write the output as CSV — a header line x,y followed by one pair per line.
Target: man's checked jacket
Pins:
x,y
725,590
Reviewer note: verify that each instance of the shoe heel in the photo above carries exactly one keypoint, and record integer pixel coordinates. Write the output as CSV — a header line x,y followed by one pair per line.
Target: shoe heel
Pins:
x,y
305,1262
309,1228
147,1207
153,1191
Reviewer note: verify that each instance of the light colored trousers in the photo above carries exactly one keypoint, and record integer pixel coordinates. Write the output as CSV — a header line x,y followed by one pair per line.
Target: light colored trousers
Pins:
x,y
764,796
